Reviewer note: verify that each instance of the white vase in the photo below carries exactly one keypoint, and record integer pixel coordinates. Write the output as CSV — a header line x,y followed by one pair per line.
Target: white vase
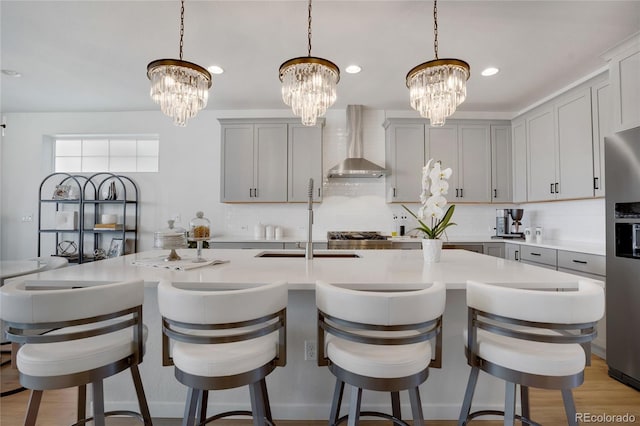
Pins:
x,y
431,250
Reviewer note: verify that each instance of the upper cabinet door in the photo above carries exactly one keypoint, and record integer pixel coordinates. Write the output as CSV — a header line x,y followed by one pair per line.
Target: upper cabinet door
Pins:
x,y
237,165
404,161
519,160
474,163
501,164
270,146
541,158
602,126
624,72
305,161
575,145
442,146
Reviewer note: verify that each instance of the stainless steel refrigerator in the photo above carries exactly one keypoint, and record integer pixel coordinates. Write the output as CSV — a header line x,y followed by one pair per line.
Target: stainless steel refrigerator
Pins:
x,y
622,173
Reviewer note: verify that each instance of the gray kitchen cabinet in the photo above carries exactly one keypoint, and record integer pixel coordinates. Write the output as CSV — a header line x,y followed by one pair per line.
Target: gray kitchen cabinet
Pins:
x,y
305,161
602,116
512,252
541,154
254,162
519,160
574,161
466,148
405,157
589,266
494,249
269,160
624,72
501,164
560,148
539,256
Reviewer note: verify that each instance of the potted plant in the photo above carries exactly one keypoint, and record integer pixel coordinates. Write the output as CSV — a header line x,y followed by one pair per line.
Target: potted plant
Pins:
x,y
434,189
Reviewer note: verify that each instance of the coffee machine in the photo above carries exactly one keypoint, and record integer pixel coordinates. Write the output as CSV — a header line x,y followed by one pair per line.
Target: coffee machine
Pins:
x,y
508,223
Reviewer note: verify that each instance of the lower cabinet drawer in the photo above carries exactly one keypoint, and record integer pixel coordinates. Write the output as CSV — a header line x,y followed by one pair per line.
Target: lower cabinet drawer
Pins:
x,y
589,263
546,256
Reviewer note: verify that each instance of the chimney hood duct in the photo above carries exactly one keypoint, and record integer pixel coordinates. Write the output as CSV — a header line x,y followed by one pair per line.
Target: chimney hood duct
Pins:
x,y
355,166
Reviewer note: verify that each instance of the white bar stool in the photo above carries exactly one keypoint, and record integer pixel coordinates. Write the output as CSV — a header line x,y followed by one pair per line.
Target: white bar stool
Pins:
x,y
379,341
76,336
221,339
532,338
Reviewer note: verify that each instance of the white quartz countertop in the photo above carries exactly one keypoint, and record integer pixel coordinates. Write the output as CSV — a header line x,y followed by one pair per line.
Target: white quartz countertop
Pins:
x,y
374,269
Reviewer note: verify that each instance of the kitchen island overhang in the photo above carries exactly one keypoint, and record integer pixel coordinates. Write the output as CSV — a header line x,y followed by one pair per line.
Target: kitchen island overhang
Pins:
x,y
302,390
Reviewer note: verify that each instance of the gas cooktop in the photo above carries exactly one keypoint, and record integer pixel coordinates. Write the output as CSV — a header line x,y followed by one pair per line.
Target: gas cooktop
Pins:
x,y
357,240
355,235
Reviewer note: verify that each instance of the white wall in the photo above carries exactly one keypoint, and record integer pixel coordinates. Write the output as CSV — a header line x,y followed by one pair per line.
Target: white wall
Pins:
x,y
189,181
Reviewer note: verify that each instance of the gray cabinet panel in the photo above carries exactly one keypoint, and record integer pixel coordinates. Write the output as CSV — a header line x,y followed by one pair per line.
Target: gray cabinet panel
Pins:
x,y
305,161
541,158
519,160
237,174
494,249
501,164
405,154
582,262
602,127
474,163
270,162
541,255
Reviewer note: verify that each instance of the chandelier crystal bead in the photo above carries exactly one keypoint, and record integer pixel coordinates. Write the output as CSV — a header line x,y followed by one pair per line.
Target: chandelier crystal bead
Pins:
x,y
309,83
437,87
181,88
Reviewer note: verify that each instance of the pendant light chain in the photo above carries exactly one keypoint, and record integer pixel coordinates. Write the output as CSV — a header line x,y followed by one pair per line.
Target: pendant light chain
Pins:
x,y
309,30
435,27
182,27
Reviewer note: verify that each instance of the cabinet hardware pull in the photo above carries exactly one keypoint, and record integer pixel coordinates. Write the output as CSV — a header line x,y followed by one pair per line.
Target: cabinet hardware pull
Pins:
x,y
557,191
457,193
517,255
495,193
250,192
318,192
535,254
583,262
461,193
394,193
255,192
595,183
551,189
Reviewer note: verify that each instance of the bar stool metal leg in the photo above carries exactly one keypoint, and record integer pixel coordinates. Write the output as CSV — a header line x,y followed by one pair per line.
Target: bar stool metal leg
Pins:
x,y
98,403
190,407
468,396
395,405
82,403
336,403
142,399
524,401
257,404
509,403
416,406
569,407
34,405
354,406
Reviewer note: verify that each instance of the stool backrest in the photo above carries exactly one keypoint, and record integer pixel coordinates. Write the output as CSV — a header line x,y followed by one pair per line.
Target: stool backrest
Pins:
x,y
23,302
381,307
586,304
211,314
380,317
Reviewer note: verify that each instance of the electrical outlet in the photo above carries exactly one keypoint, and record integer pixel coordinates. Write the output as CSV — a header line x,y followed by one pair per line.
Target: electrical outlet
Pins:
x,y
27,218
310,353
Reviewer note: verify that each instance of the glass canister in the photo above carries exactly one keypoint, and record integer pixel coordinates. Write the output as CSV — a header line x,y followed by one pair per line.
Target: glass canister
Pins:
x,y
170,238
199,227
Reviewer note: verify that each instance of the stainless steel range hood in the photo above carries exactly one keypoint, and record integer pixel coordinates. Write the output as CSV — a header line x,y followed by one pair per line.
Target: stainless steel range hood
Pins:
x,y
355,165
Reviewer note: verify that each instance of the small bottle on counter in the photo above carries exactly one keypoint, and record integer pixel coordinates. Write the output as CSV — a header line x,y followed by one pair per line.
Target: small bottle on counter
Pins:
x,y
278,232
395,226
258,231
403,224
270,232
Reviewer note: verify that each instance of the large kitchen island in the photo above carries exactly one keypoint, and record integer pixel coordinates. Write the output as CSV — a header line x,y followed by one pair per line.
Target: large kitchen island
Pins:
x,y
302,390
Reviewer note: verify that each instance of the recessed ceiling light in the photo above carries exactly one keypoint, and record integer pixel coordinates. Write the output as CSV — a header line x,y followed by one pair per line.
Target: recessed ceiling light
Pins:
x,y
11,73
490,71
214,69
353,69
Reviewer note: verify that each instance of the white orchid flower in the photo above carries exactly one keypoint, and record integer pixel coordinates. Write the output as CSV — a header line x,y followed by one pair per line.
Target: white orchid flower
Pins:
x,y
440,187
434,212
436,201
437,174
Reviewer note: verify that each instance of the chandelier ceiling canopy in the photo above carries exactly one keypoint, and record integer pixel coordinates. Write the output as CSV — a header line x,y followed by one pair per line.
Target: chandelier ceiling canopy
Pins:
x,y
309,83
437,87
181,88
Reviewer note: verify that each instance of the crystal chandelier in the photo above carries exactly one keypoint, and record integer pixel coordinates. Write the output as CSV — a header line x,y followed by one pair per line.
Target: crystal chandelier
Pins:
x,y
438,86
309,83
180,87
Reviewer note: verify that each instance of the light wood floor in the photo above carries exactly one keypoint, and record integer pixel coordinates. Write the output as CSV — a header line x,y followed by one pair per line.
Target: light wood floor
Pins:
x,y
598,395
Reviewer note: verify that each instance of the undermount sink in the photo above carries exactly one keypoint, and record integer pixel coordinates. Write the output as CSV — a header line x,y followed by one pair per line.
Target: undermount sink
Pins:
x,y
302,254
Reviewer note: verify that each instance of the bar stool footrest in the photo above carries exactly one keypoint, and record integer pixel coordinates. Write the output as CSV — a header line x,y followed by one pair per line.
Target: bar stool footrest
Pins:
x,y
232,413
480,413
395,420
113,414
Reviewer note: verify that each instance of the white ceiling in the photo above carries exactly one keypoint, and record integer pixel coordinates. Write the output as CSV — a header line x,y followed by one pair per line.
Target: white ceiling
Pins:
x,y
92,55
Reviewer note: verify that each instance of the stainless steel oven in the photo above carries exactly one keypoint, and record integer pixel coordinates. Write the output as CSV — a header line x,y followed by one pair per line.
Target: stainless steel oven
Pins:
x,y
357,240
